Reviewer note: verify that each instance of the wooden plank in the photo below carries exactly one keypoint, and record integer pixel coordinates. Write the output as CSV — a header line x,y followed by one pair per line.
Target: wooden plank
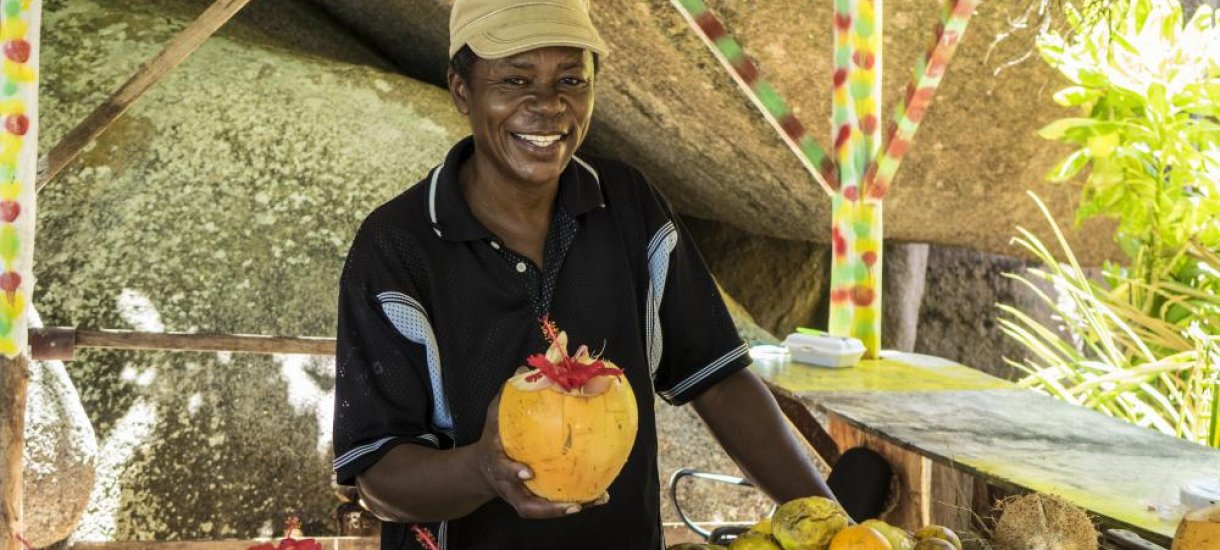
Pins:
x,y
952,497
895,372
913,508
14,379
175,341
178,49
1020,439
1009,437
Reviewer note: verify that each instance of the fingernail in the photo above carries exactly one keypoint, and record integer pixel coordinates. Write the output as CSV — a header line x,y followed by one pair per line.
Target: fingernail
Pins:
x,y
524,474
572,510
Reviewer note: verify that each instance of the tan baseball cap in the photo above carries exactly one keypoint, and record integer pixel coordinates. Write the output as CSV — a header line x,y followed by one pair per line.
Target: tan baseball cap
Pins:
x,y
500,28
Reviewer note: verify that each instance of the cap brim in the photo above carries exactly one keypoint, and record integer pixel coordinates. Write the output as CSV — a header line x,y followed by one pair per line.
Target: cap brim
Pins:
x,y
514,39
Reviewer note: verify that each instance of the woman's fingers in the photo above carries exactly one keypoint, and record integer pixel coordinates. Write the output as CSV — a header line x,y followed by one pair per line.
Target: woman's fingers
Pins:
x,y
507,478
528,505
599,500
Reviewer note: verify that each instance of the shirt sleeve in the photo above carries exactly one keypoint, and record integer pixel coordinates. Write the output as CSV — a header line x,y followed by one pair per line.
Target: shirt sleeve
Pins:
x,y
383,391
692,341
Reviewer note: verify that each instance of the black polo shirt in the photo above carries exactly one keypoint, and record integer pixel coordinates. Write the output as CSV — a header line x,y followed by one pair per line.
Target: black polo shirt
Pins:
x,y
435,313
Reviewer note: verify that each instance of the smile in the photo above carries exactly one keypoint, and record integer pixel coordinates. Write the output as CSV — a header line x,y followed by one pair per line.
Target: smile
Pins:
x,y
540,141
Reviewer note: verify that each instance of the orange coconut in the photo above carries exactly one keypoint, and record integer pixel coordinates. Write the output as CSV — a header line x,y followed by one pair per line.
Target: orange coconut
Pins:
x,y
860,537
572,421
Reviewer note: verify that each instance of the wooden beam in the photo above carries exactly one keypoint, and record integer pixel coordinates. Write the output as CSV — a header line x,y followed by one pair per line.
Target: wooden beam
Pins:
x,y
60,343
14,379
181,46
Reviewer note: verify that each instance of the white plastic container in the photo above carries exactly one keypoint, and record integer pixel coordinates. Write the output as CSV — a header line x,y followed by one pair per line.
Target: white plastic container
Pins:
x,y
1200,493
824,350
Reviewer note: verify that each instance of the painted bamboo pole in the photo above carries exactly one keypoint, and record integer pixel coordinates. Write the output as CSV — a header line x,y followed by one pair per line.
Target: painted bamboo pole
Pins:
x,y
955,16
765,97
19,34
863,170
856,232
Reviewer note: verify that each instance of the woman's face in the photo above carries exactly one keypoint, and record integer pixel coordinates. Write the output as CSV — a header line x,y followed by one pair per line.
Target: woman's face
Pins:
x,y
528,112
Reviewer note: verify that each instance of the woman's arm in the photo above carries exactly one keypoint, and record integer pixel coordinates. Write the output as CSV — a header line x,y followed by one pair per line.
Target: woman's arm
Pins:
x,y
744,417
415,484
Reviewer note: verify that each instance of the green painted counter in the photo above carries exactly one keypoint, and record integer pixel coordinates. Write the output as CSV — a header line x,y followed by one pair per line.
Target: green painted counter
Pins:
x,y
1009,436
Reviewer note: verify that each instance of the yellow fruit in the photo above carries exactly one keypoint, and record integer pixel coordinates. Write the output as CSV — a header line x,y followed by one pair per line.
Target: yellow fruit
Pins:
x,y
939,532
576,439
1199,530
808,523
934,544
897,537
859,537
763,526
754,541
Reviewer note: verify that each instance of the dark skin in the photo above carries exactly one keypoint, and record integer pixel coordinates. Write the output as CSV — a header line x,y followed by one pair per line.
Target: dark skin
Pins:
x,y
515,105
528,114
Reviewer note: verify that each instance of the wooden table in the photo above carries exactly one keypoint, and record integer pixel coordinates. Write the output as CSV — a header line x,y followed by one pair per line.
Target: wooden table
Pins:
x,y
941,423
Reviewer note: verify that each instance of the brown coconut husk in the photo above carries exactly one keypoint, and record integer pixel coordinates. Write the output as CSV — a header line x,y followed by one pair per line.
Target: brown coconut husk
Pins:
x,y
1043,522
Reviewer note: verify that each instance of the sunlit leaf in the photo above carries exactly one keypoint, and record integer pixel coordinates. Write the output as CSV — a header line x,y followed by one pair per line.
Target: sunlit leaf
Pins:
x,y
1069,167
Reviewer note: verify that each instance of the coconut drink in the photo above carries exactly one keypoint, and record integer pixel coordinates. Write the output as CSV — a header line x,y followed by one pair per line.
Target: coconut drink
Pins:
x,y
571,418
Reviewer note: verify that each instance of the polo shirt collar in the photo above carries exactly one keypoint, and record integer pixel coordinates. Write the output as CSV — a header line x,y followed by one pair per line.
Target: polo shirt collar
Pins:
x,y
580,192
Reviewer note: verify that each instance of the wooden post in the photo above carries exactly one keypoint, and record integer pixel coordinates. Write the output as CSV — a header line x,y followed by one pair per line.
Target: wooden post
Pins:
x,y
181,46
13,381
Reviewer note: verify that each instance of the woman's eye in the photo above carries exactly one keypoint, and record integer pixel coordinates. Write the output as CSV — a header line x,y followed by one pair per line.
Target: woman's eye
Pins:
x,y
572,81
514,81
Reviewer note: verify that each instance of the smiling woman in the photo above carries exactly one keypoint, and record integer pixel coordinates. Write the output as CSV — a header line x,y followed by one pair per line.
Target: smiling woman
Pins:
x,y
444,286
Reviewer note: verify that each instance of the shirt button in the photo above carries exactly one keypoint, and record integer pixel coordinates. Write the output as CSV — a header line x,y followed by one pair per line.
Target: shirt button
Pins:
x,y
520,267
495,245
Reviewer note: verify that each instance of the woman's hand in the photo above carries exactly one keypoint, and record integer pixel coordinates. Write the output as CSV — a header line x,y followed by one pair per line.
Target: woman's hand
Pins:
x,y
507,478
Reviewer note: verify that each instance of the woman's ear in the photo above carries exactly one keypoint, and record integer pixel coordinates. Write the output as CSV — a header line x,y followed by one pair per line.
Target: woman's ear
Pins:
x,y
459,92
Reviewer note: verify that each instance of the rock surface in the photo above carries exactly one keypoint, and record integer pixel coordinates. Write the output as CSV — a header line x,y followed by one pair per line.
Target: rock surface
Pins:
x,y
957,318
60,453
224,201
780,282
666,104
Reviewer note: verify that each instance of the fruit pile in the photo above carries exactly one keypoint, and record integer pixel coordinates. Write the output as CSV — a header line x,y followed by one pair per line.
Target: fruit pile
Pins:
x,y
816,523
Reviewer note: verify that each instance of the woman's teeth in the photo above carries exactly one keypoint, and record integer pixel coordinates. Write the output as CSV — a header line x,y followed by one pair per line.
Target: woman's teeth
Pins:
x,y
539,141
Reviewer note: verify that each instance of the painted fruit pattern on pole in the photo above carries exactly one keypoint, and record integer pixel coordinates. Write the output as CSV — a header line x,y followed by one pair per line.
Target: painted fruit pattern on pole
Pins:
x,y
19,23
862,168
855,267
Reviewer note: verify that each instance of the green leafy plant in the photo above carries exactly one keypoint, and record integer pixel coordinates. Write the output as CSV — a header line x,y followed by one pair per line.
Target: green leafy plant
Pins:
x,y
1139,341
1148,87
1108,355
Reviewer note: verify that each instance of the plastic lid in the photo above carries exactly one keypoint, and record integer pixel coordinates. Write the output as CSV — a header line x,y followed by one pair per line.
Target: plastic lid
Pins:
x,y
1200,493
824,343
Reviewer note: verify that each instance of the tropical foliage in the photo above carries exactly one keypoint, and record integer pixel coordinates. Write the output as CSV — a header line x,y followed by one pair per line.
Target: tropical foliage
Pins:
x,y
1139,342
